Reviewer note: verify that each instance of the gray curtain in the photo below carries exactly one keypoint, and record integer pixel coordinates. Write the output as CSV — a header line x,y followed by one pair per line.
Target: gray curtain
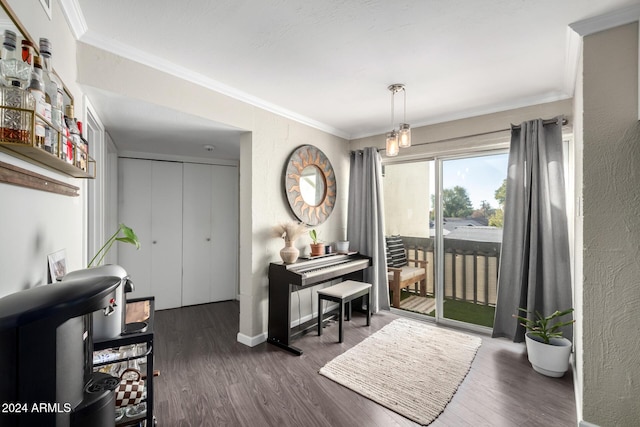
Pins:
x,y
365,221
534,264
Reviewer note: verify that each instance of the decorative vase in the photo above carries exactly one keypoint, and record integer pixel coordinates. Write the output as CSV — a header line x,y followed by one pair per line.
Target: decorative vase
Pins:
x,y
317,249
551,359
342,247
289,253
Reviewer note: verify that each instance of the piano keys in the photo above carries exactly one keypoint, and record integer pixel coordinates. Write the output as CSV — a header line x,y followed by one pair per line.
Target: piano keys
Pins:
x,y
287,278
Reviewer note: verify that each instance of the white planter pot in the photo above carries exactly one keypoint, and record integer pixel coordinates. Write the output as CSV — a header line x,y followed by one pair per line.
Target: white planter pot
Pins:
x,y
551,359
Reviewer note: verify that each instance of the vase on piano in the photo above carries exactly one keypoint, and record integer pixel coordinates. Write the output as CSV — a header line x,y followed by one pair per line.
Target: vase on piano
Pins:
x,y
289,253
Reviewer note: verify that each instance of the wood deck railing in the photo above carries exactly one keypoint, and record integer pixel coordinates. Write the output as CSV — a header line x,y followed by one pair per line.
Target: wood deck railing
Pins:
x,y
470,268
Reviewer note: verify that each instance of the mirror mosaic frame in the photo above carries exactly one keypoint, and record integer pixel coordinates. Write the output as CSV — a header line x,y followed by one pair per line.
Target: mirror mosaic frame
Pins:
x,y
302,157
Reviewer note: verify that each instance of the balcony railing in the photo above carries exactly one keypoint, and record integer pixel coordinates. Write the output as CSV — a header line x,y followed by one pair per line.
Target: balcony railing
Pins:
x,y
470,268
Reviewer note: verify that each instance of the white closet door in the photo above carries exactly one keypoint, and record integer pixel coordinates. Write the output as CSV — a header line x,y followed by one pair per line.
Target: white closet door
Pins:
x,y
166,238
134,210
210,233
196,234
224,225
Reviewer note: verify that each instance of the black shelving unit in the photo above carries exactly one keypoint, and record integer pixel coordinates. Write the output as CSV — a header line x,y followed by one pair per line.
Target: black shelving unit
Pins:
x,y
144,337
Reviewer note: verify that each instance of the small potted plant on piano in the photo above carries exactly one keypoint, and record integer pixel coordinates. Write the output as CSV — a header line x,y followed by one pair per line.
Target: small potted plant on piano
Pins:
x,y
317,248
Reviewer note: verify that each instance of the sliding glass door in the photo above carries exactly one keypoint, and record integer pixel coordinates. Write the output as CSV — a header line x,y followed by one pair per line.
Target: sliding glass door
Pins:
x,y
472,198
409,216
447,212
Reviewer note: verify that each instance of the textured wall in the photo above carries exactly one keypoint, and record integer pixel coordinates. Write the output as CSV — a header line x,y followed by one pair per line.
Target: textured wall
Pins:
x,y
611,287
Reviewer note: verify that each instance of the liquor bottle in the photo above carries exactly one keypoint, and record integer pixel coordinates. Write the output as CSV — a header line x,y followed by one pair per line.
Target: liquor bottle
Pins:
x,y
74,133
15,122
53,85
43,109
84,149
12,67
28,51
64,142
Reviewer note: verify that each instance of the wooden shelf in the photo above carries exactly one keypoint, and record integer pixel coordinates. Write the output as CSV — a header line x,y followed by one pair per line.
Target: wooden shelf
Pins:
x,y
37,155
44,157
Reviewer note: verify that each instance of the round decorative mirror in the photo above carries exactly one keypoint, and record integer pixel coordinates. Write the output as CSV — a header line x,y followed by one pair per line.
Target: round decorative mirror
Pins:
x,y
310,185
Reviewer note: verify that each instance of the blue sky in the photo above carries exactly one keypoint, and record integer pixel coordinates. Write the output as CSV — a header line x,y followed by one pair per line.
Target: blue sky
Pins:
x,y
481,176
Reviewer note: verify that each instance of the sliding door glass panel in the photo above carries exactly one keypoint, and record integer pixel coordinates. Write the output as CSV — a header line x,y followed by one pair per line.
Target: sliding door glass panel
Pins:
x,y
473,197
409,213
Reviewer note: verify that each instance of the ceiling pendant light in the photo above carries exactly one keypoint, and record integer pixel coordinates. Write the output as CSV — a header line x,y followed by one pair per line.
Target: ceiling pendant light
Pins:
x,y
400,138
392,144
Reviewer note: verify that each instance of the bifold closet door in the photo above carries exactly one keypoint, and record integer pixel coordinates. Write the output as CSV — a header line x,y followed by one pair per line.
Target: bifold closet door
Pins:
x,y
150,202
210,233
134,210
166,234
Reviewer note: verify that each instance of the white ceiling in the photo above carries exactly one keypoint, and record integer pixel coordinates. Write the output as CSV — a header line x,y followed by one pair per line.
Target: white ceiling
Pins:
x,y
328,63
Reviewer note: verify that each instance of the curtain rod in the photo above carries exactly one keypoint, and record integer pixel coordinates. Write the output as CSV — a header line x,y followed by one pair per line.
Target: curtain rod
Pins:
x,y
544,122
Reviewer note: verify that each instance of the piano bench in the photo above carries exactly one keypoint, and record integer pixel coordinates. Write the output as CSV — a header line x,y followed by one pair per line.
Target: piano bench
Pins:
x,y
343,293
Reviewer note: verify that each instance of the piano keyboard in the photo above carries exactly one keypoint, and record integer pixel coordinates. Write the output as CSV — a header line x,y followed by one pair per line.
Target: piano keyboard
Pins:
x,y
307,274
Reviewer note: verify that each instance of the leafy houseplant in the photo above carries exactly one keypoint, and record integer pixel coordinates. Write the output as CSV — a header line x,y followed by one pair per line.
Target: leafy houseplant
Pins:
x,y
542,327
547,350
128,237
317,248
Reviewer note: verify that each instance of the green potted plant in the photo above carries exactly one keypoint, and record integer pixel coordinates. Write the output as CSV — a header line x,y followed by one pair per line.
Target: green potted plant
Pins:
x,y
128,237
548,351
317,248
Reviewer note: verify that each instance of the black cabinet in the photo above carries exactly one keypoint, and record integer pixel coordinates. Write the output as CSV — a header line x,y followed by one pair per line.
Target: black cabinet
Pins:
x,y
144,337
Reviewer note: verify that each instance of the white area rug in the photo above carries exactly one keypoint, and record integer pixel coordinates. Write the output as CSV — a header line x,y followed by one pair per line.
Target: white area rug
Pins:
x,y
407,366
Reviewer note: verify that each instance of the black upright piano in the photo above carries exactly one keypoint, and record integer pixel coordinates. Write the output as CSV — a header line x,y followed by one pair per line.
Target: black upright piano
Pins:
x,y
287,278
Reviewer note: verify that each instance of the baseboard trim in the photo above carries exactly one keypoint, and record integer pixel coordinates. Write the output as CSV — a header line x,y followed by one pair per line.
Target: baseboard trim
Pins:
x,y
259,339
251,341
584,423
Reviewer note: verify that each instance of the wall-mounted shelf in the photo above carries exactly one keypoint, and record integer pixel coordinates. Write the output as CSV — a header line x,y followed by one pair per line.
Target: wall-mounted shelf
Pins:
x,y
27,147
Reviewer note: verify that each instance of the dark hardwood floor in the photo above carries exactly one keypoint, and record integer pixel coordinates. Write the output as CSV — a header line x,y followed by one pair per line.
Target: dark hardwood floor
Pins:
x,y
207,378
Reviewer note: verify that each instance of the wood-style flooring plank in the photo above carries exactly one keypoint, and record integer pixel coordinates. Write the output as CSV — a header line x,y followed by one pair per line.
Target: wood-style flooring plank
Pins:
x,y
207,378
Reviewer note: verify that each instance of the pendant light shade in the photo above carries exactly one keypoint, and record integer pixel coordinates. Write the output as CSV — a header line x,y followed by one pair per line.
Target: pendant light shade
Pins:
x,y
400,138
404,136
392,144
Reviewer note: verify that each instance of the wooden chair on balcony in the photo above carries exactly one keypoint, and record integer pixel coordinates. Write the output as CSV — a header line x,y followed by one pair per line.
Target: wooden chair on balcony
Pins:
x,y
400,274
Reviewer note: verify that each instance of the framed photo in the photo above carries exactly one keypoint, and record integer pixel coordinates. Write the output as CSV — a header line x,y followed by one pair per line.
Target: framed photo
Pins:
x,y
57,265
46,5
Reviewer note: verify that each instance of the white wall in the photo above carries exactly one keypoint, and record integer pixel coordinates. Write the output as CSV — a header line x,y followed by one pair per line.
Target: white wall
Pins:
x,y
34,223
611,284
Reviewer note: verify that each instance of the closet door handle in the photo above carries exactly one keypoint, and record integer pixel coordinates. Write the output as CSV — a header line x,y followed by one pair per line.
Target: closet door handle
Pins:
x,y
208,239
154,242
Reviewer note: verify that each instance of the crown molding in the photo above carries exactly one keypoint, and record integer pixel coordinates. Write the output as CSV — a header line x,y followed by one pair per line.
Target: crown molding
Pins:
x,y
75,19
475,112
607,21
78,25
573,52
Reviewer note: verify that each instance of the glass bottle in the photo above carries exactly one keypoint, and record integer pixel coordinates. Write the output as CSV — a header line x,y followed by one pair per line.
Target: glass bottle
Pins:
x,y
53,85
12,67
43,109
28,51
74,133
83,151
15,122
64,142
